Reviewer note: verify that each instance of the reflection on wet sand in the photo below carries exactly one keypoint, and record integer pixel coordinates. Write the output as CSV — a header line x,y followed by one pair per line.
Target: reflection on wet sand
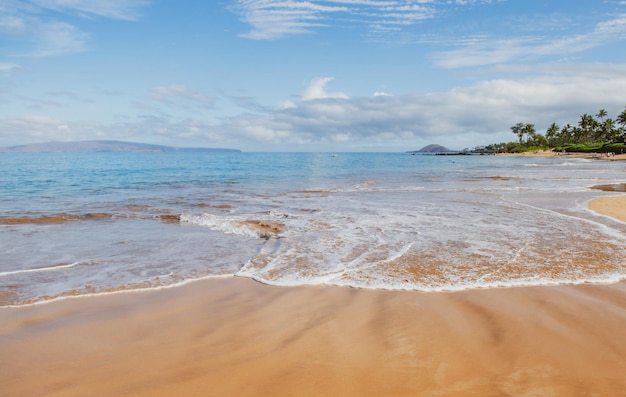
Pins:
x,y
57,218
618,187
62,218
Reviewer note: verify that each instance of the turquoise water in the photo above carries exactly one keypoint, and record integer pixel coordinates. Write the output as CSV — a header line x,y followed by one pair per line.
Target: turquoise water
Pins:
x,y
81,224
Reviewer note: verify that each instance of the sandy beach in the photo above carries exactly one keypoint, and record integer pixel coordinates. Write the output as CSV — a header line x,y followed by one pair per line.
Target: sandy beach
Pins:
x,y
610,206
236,337
544,153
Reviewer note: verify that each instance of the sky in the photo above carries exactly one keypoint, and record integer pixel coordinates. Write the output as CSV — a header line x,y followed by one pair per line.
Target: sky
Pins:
x,y
288,75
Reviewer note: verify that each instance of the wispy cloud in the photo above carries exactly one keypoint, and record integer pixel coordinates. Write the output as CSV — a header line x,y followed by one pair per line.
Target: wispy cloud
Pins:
x,y
39,28
114,9
489,51
60,38
181,96
6,67
39,128
275,19
12,24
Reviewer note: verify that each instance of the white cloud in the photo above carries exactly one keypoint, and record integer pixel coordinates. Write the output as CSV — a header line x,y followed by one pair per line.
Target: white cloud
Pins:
x,y
42,35
60,38
286,105
6,67
12,24
317,90
180,95
276,19
488,51
29,129
461,117
114,9
271,20
589,70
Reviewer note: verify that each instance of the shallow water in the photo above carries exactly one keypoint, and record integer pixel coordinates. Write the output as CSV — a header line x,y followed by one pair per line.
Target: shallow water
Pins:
x,y
78,224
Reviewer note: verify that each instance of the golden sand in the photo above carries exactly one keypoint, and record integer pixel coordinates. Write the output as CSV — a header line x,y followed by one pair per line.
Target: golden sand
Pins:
x,y
543,153
235,337
614,206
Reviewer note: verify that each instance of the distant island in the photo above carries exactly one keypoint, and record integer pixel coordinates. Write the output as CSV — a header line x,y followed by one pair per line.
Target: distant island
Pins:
x,y
434,149
103,146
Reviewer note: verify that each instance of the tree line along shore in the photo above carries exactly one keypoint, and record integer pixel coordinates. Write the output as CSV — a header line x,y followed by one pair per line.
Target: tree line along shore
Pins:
x,y
592,134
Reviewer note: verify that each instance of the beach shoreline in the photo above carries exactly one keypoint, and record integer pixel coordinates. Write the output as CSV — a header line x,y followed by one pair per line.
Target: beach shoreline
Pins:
x,y
234,336
550,153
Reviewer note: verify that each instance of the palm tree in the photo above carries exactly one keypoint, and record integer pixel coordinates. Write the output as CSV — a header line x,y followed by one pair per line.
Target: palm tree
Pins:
x,y
552,134
519,130
608,130
529,131
587,125
568,134
621,119
601,115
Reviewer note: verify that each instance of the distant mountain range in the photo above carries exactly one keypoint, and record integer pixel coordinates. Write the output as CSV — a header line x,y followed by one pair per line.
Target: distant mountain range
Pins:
x,y
102,146
433,149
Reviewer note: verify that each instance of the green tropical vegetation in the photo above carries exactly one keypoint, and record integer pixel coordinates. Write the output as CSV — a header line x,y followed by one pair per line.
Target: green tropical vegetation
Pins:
x,y
598,133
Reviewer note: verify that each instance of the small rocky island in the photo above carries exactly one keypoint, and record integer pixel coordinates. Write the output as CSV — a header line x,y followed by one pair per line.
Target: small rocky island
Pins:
x,y
436,149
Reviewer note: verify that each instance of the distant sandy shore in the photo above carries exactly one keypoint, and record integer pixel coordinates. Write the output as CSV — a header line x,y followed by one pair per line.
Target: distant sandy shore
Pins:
x,y
544,153
236,337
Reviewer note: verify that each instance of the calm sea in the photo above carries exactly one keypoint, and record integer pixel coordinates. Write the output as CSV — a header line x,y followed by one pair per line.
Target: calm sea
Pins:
x,y
83,224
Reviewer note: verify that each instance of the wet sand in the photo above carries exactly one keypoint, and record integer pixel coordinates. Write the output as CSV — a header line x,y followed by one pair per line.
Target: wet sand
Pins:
x,y
236,337
614,206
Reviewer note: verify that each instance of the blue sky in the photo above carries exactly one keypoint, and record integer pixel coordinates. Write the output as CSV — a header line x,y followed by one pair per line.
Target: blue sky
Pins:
x,y
335,75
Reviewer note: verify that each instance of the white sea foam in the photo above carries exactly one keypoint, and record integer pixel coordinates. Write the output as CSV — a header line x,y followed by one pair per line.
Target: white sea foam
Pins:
x,y
375,221
43,269
227,225
120,291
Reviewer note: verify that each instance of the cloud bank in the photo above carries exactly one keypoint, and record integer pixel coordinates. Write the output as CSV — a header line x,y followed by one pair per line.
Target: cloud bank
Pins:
x,y
460,117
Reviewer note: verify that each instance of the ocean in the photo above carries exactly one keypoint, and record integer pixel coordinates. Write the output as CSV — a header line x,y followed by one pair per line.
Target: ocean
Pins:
x,y
82,224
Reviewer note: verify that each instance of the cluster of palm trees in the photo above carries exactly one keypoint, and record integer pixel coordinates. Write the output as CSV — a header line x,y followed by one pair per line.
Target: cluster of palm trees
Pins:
x,y
590,129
